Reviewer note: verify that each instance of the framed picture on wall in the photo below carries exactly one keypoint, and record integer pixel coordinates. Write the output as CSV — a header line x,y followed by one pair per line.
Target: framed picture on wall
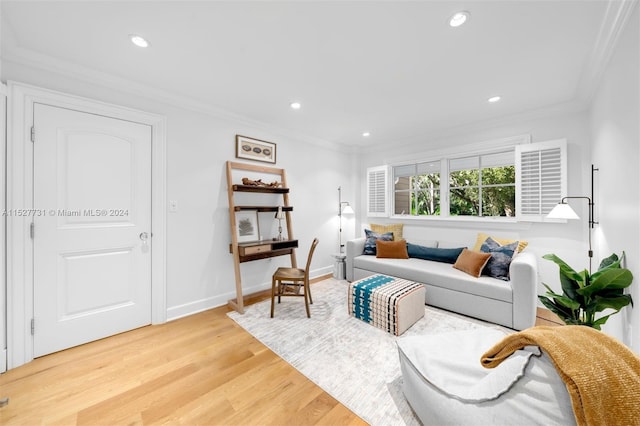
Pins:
x,y
255,149
247,226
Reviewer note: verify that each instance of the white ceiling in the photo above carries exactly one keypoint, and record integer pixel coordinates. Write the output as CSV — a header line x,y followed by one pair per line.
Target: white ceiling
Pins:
x,y
394,68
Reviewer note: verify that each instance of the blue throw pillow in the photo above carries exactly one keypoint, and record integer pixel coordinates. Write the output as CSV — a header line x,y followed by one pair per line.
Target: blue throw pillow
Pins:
x,y
370,243
445,255
498,264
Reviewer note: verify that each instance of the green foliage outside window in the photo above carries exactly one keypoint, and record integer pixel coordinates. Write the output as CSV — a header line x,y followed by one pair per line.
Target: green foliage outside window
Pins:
x,y
426,195
495,195
473,191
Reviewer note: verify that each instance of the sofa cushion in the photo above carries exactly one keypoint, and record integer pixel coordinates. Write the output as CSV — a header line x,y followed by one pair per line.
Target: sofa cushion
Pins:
x,y
446,255
482,237
498,264
436,274
392,249
371,238
395,228
472,262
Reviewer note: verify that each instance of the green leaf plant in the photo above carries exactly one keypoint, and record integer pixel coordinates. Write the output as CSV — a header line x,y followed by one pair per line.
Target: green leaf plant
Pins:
x,y
584,295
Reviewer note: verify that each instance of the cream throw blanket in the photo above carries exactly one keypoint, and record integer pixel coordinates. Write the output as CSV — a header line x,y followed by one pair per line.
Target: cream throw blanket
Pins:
x,y
602,375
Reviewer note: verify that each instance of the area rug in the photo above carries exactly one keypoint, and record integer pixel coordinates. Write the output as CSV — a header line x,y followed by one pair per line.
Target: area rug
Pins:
x,y
351,360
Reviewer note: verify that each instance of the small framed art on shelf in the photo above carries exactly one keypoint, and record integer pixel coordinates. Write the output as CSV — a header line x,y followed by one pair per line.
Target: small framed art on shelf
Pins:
x,y
255,149
247,226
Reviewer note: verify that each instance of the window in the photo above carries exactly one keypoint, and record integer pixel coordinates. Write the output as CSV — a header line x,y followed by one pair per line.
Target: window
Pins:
x,y
417,189
483,185
515,179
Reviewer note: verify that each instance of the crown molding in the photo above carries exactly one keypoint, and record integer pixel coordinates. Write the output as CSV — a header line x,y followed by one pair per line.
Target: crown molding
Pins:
x,y
440,137
42,62
613,24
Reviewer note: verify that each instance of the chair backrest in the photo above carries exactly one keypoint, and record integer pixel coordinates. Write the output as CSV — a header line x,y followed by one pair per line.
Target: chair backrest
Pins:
x,y
311,250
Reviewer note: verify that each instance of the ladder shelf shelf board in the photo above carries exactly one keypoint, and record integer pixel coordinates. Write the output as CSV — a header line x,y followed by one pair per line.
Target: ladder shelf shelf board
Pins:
x,y
263,208
262,189
263,249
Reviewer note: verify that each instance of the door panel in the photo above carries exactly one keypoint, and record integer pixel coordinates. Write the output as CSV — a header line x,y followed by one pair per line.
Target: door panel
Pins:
x,y
92,195
96,172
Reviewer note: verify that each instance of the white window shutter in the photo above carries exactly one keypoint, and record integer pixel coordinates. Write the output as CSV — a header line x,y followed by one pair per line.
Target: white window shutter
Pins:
x,y
541,178
377,178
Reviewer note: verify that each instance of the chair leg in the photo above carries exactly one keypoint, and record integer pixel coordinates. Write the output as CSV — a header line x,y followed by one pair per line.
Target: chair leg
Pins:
x,y
307,297
273,293
279,289
308,290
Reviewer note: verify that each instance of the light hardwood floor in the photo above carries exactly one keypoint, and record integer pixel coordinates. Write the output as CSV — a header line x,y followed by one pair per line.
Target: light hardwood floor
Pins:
x,y
200,370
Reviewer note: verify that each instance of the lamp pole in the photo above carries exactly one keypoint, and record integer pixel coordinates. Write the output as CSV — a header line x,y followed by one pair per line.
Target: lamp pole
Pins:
x,y
340,246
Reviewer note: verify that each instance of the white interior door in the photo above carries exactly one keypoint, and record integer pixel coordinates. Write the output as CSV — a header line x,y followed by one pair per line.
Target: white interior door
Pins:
x,y
92,227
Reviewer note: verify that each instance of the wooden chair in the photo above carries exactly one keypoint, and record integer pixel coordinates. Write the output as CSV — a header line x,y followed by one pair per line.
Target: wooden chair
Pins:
x,y
289,281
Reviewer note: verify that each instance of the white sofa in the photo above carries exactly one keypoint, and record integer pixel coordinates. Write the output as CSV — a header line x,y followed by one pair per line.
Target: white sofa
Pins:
x,y
508,303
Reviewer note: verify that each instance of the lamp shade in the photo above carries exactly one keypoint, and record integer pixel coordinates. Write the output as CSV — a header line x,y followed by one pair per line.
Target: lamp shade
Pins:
x,y
347,210
562,211
279,214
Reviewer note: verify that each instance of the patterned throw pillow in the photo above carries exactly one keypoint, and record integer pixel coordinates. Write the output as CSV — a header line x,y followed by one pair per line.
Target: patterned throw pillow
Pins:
x,y
372,237
498,264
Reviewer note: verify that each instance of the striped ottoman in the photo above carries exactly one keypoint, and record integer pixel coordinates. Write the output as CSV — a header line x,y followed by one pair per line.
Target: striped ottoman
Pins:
x,y
389,303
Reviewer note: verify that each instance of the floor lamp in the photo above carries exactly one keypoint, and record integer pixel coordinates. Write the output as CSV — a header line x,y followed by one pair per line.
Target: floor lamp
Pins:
x,y
343,208
564,211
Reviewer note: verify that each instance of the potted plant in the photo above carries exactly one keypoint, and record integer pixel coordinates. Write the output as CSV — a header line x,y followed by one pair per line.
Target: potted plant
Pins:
x,y
585,294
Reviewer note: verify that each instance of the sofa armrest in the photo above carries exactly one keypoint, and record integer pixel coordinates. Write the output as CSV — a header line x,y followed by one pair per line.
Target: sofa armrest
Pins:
x,y
354,248
523,273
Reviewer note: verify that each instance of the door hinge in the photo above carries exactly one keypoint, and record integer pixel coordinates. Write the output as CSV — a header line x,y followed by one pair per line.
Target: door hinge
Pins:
x,y
33,326
33,134
32,227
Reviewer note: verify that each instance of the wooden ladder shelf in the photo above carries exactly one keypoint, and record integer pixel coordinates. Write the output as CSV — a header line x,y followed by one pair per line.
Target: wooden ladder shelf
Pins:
x,y
262,249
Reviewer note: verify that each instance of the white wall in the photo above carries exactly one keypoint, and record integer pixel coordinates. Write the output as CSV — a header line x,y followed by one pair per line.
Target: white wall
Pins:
x,y
615,125
199,266
569,241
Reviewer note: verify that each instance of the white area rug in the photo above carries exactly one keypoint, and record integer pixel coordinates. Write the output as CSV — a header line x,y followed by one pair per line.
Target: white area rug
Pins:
x,y
351,360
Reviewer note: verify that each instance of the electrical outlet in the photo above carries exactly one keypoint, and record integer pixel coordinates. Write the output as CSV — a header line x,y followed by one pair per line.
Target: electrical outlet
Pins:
x,y
173,206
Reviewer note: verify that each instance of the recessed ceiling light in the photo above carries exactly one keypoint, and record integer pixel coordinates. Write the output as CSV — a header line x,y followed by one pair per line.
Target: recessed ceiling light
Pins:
x,y
494,99
138,40
296,105
366,134
459,18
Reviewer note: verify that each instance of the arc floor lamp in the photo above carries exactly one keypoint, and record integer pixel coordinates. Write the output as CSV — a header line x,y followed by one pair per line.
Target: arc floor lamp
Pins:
x,y
564,211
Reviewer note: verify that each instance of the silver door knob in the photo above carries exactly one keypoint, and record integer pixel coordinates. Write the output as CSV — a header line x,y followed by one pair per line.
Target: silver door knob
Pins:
x,y
144,236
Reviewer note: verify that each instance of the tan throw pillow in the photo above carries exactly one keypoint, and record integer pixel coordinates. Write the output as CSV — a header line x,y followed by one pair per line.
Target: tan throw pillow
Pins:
x,y
395,228
392,249
482,237
472,262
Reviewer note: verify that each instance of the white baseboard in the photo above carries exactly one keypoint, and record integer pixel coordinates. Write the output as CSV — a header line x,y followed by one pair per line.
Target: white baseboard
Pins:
x,y
3,361
180,311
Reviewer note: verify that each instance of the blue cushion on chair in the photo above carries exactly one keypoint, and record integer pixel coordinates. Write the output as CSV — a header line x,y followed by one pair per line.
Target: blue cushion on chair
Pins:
x,y
445,255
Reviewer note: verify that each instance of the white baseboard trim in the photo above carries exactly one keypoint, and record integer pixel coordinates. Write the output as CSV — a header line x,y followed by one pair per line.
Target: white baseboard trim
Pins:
x,y
3,361
191,308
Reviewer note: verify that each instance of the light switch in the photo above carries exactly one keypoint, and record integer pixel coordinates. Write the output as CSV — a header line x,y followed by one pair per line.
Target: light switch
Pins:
x,y
173,205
